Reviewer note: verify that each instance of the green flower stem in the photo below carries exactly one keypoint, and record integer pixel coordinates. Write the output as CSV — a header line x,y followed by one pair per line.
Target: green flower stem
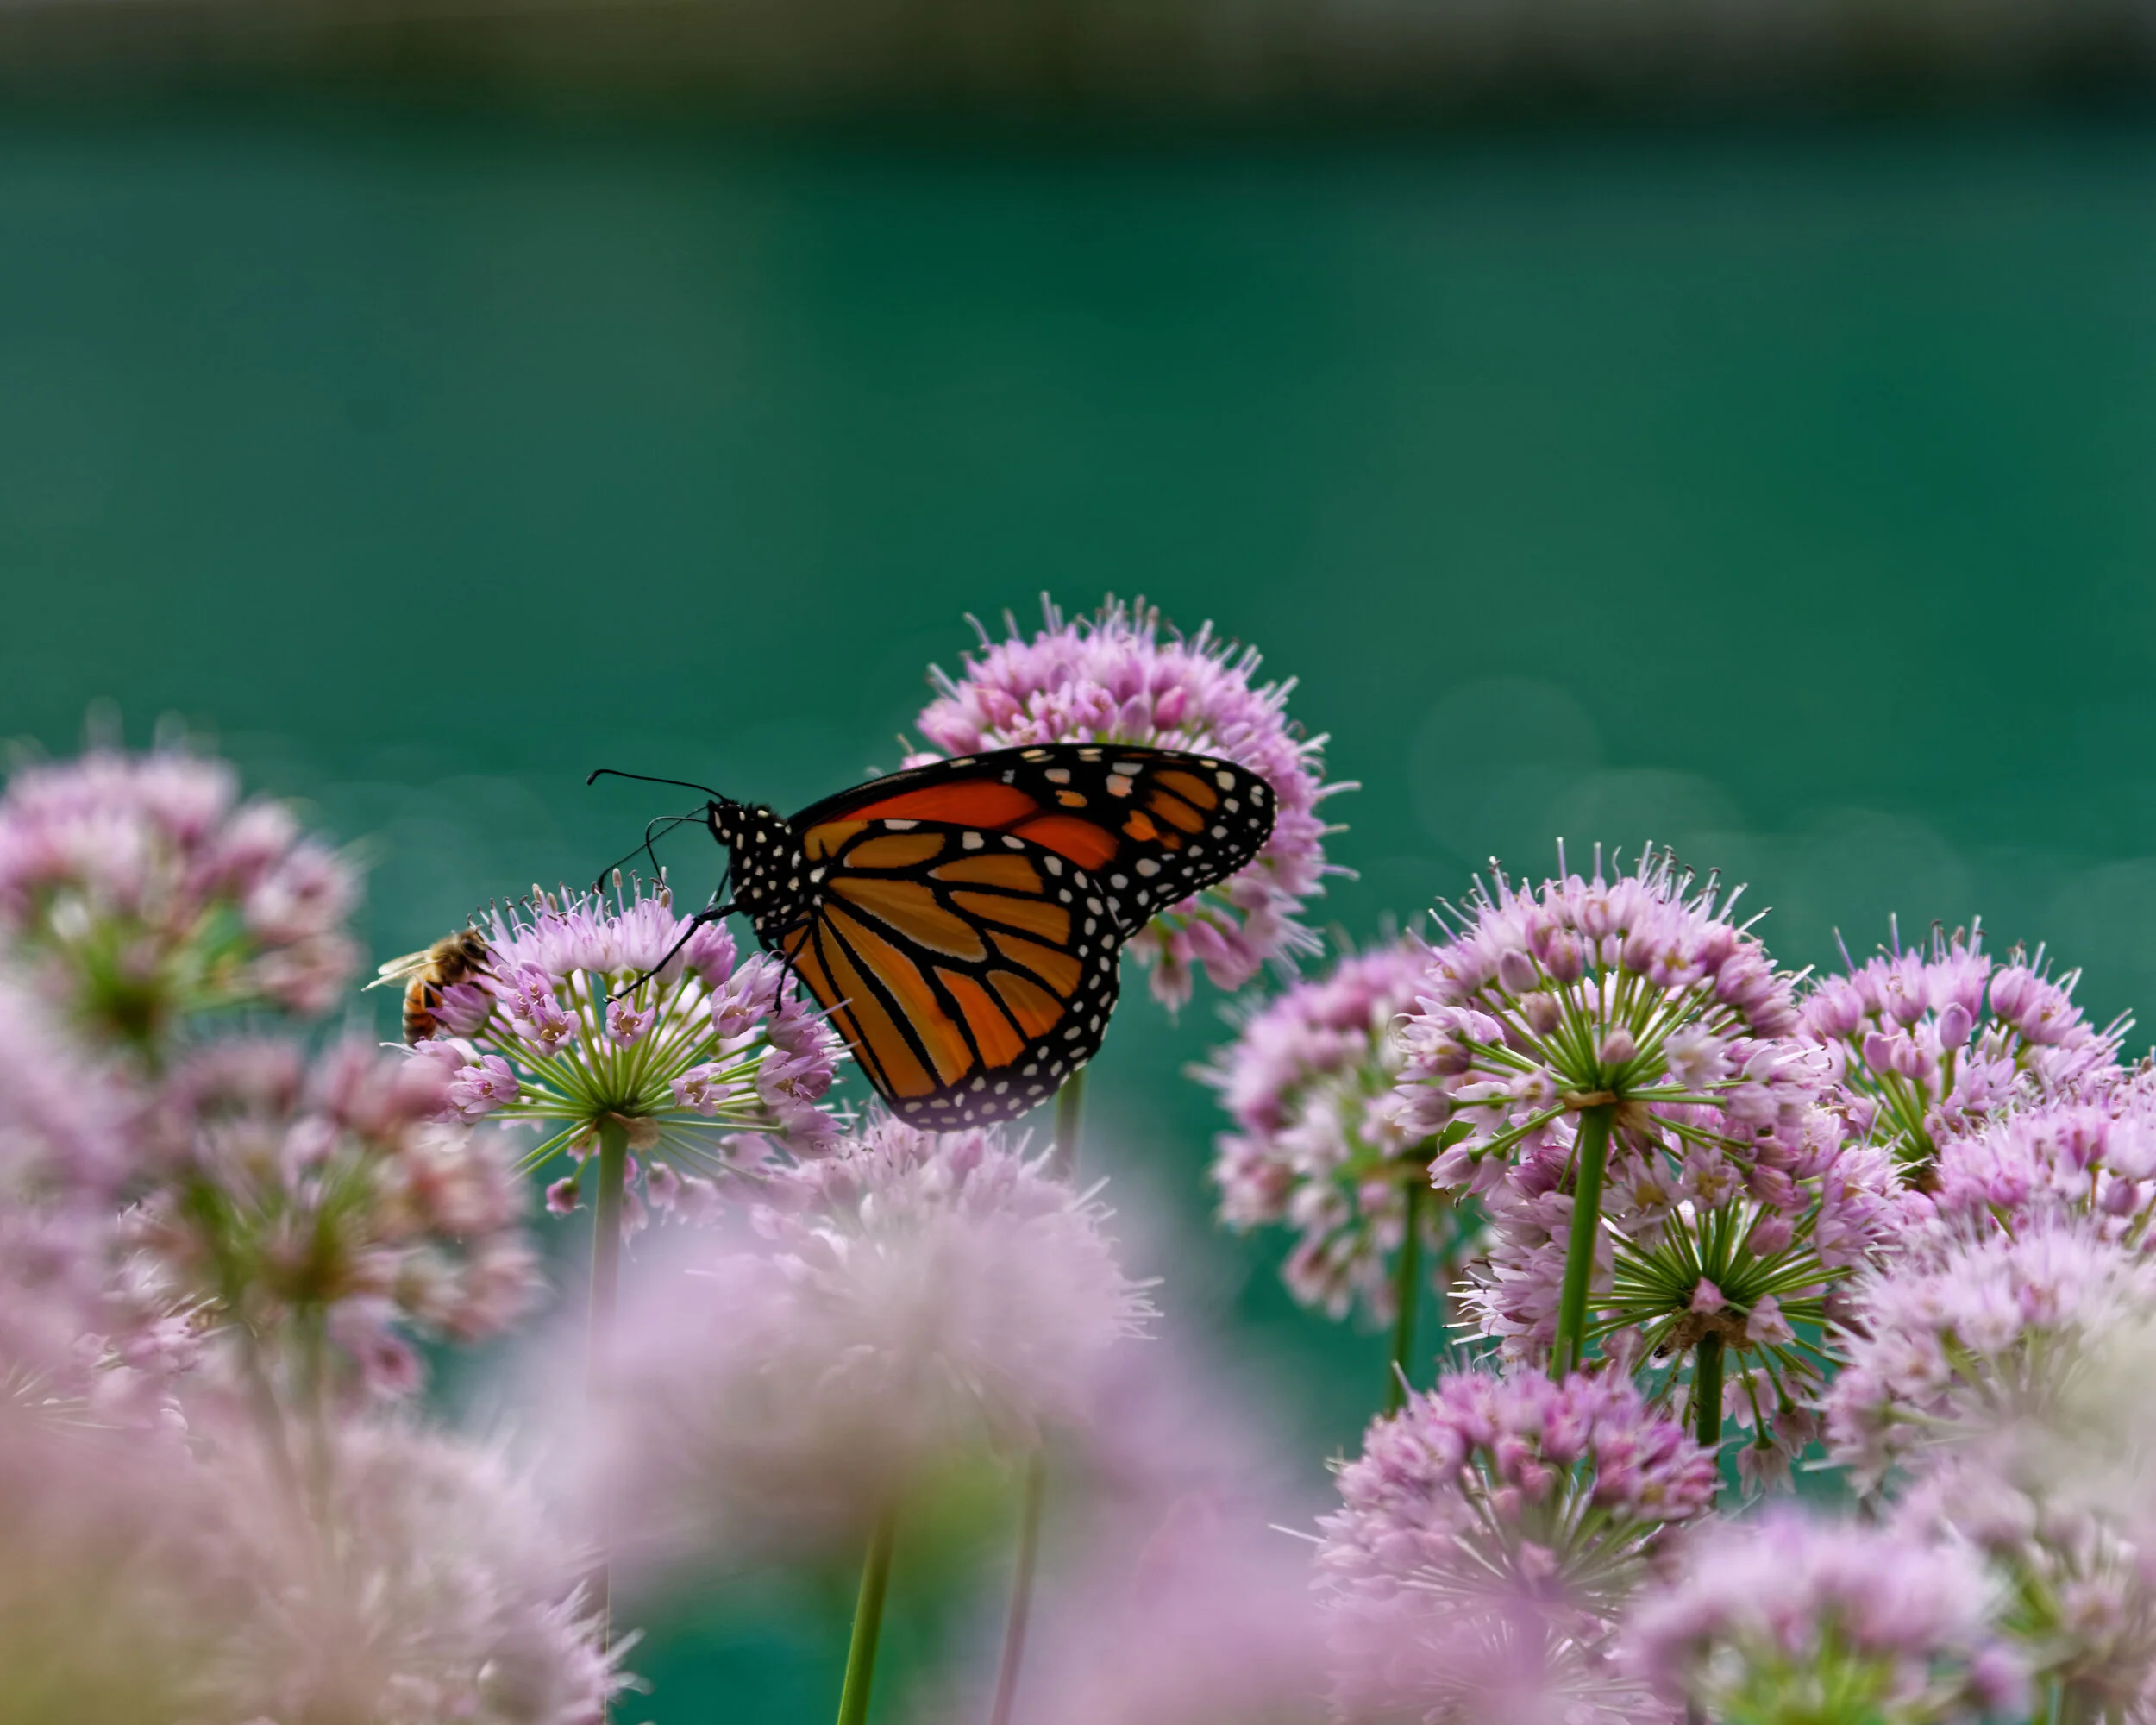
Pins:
x,y
861,1655
1407,1296
1070,1103
1706,1393
1591,1157
1014,1625
1063,1164
606,1213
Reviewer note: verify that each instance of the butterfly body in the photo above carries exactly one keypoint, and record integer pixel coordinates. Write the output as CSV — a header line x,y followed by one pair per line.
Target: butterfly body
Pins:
x,y
963,922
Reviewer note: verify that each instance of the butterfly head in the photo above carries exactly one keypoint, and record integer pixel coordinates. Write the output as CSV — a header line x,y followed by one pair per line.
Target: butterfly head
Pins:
x,y
770,872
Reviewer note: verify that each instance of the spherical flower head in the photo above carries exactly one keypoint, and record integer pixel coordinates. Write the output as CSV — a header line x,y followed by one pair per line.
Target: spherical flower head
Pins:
x,y
1120,677
1493,1514
594,1010
417,1582
2088,1153
332,1201
1972,1338
1637,993
1789,1621
1758,1265
917,1302
143,891
1929,1042
1305,1082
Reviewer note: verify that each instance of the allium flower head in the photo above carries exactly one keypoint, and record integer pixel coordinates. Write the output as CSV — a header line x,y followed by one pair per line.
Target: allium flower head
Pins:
x,y
2090,1152
1637,993
920,1301
142,890
697,1061
1308,1150
1791,1622
333,1202
1972,1338
1916,1054
2079,1605
1490,1535
416,1583
1120,677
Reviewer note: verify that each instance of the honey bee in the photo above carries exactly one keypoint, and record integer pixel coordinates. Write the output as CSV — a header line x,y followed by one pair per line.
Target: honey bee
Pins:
x,y
454,958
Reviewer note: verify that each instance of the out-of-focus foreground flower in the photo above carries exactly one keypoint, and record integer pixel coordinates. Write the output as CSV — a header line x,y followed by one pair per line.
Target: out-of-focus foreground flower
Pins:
x,y
140,890
919,1302
1491,1535
694,1063
1310,1151
1792,1622
312,1215
1120,677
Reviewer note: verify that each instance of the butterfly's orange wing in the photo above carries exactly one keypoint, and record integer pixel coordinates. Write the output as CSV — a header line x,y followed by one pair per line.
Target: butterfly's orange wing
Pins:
x,y
964,921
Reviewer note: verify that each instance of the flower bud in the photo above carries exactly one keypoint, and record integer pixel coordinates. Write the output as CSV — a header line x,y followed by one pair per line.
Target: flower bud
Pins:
x,y
1516,972
1617,1047
1954,1024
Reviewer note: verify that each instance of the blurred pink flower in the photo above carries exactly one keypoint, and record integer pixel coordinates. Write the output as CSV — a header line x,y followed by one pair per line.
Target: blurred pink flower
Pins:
x,y
415,1581
1118,676
142,891
918,1303
1491,1533
1308,1150
301,1202
2090,1152
1962,1336
1788,1620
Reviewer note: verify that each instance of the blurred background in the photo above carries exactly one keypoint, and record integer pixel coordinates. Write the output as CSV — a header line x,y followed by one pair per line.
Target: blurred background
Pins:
x,y
1728,423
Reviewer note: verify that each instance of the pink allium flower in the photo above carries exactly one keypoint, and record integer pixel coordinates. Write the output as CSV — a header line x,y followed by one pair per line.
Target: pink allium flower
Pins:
x,y
698,1062
1117,677
1963,1337
2089,1153
1787,1621
1917,1057
1212,1623
416,1581
1681,1259
920,1301
2080,1584
1299,1082
142,890
1637,993
1490,1535
333,1202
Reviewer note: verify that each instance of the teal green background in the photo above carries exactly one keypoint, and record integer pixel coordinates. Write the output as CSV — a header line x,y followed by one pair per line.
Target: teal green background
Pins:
x,y
1784,496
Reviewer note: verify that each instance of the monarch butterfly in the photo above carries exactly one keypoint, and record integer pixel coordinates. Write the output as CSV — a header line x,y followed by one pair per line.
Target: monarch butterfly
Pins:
x,y
961,922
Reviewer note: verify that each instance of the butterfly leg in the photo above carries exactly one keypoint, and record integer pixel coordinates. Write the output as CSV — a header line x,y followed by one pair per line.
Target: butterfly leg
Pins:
x,y
708,914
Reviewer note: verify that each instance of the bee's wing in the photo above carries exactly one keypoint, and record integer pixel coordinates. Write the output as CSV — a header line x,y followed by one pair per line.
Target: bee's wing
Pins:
x,y
402,969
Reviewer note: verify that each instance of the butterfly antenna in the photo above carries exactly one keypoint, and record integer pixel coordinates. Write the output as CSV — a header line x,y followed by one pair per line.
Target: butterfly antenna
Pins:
x,y
597,773
670,821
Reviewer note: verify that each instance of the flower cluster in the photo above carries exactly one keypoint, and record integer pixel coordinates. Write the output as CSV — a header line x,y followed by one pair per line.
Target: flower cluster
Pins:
x,y
1119,677
1916,1055
142,891
1787,1622
1498,1520
414,1582
1965,1335
2089,1153
1310,1151
331,1204
1637,993
917,1300
592,1011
